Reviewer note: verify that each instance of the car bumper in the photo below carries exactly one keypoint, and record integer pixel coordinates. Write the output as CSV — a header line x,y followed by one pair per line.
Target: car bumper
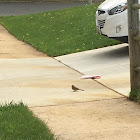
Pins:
x,y
112,25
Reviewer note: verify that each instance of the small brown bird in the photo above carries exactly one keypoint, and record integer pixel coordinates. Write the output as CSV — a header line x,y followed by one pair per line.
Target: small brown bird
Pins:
x,y
75,88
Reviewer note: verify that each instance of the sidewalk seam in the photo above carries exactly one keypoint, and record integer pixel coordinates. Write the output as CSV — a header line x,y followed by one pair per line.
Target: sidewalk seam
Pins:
x,y
91,79
98,100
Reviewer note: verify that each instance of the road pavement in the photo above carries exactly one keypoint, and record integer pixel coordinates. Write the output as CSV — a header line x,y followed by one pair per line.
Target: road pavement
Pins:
x,y
25,8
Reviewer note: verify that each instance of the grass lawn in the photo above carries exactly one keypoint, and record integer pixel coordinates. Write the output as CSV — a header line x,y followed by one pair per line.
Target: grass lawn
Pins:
x,y
59,32
135,95
18,123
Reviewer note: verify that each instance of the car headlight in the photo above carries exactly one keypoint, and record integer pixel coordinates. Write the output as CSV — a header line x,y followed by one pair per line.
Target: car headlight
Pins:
x,y
118,9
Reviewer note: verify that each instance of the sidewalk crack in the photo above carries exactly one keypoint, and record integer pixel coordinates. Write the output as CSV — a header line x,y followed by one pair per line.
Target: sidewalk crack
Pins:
x,y
97,100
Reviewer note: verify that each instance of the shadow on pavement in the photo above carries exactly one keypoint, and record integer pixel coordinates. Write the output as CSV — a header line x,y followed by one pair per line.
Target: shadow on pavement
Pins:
x,y
114,53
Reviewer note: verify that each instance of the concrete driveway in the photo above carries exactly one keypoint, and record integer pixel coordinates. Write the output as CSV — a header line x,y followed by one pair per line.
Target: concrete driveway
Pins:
x,y
110,62
38,80
44,84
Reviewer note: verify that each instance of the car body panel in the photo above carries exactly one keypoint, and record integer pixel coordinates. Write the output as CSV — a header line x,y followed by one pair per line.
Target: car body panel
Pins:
x,y
113,26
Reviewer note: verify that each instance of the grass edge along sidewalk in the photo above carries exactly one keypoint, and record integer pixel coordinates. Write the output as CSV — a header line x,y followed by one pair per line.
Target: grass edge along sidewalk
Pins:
x,y
19,123
59,32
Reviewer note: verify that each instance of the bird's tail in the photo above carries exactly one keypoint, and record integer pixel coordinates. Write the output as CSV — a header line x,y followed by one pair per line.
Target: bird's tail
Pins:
x,y
81,89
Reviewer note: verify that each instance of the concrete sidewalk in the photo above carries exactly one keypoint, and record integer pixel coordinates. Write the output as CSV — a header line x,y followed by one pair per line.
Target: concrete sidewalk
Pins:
x,y
44,84
38,80
111,62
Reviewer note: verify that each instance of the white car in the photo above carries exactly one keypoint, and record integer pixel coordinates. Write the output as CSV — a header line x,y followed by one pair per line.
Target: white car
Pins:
x,y
111,19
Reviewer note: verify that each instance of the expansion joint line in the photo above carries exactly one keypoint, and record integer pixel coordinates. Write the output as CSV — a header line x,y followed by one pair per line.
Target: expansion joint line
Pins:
x,y
97,100
92,79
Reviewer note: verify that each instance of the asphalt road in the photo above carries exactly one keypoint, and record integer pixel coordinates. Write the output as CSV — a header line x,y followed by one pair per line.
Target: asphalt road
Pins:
x,y
25,8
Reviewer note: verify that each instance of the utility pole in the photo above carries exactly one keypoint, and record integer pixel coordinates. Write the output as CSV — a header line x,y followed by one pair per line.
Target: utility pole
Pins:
x,y
134,43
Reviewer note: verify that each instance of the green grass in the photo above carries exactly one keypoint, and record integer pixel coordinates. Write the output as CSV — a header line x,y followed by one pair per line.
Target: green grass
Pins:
x,y
59,32
17,122
135,95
